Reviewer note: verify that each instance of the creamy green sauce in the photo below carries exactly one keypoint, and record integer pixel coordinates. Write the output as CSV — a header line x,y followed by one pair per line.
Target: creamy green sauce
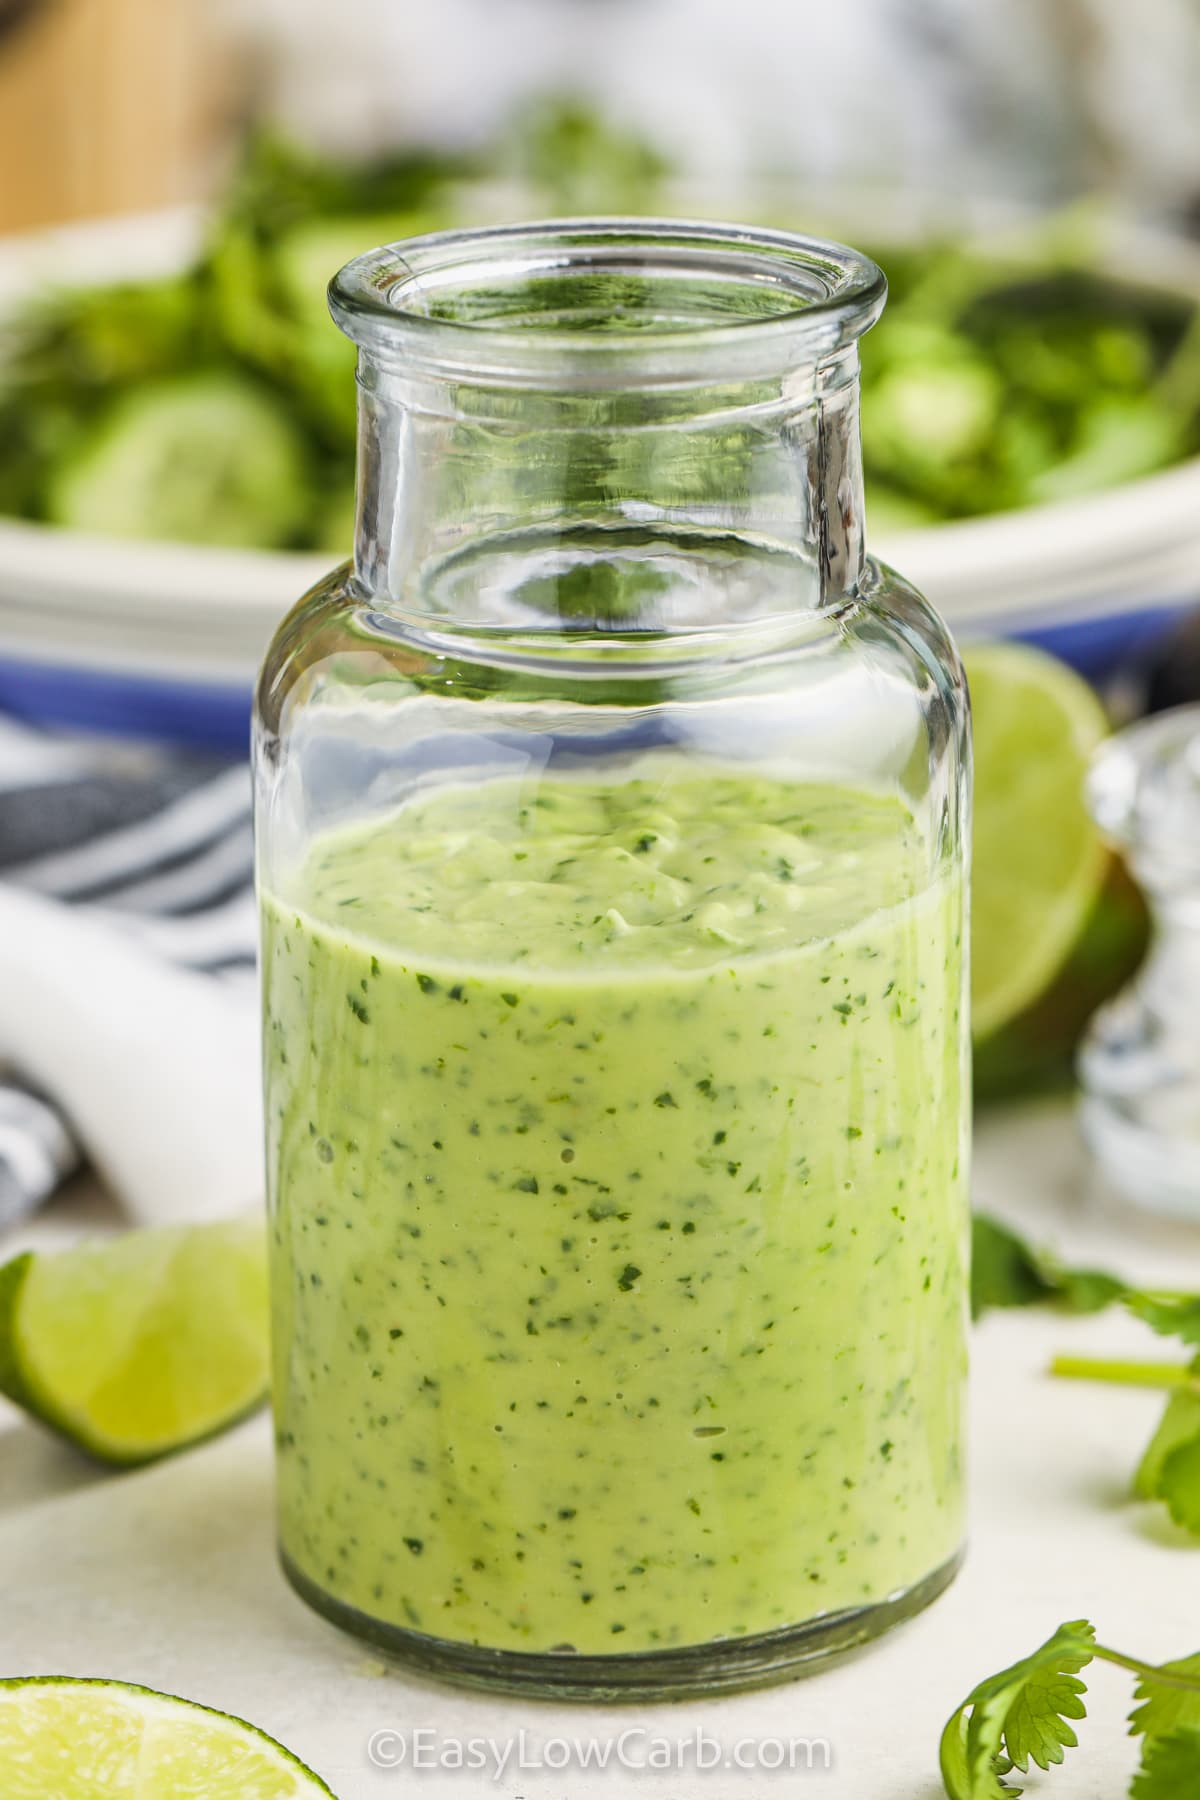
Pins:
x,y
617,1163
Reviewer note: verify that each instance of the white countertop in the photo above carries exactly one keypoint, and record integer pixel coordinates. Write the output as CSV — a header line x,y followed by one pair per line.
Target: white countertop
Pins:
x,y
167,1576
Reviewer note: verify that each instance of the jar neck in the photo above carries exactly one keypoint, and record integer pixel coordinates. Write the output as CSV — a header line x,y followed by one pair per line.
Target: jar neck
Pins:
x,y
597,425
451,469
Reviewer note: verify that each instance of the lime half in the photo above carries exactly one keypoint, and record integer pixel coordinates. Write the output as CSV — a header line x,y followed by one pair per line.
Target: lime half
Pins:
x,y
138,1345
1039,861
103,1740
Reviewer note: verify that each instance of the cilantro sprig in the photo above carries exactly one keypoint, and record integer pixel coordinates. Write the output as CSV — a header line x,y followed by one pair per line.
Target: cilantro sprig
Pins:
x,y
1024,1715
1006,1271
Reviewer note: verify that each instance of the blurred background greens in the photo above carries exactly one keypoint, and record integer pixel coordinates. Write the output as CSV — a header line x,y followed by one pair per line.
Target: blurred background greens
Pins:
x,y
216,405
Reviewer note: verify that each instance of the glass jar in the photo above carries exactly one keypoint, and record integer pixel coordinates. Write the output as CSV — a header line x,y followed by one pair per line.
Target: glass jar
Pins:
x,y
612,824
1139,1063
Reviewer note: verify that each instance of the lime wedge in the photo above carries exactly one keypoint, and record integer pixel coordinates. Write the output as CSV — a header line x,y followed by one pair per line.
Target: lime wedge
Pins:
x,y
135,1346
102,1740
1039,861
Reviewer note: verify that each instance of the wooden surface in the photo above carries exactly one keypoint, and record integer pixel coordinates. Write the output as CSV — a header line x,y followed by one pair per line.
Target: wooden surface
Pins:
x,y
108,106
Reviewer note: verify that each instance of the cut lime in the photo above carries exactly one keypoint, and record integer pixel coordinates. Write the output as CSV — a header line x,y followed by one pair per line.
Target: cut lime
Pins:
x,y
1039,861
138,1345
102,1740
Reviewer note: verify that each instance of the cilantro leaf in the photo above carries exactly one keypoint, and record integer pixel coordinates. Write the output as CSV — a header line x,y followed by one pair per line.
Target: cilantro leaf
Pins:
x,y
1179,1485
1167,1705
1170,1768
1087,1290
1170,1469
1036,1729
952,1760
960,1781
1022,1716
1179,1424
1175,1315
1018,1717
1006,1271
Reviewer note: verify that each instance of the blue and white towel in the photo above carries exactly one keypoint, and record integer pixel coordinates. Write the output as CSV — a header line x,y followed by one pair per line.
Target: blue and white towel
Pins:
x,y
127,949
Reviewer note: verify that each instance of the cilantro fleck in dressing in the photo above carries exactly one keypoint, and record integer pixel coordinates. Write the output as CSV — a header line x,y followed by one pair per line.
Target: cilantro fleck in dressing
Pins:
x,y
618,1189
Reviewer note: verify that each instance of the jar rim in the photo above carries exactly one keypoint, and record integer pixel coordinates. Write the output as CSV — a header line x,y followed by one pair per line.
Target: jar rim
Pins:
x,y
448,303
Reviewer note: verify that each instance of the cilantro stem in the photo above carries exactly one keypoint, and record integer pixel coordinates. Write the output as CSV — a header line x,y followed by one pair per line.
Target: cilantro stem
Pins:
x,y
1126,1373
1155,1672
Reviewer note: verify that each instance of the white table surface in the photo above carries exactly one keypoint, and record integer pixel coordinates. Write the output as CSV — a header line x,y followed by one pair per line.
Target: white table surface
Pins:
x,y
167,1576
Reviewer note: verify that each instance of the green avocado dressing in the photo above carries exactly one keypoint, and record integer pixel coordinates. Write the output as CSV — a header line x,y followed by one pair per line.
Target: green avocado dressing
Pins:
x,y
619,1209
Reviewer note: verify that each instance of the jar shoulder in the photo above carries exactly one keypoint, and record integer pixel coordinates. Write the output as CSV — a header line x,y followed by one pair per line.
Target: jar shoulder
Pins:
x,y
318,626
896,625
888,633
889,599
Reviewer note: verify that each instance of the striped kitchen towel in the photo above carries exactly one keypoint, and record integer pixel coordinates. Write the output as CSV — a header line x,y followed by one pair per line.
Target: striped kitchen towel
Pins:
x,y
157,845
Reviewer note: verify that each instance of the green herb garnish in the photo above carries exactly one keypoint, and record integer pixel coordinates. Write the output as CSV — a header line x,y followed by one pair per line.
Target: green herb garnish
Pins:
x,y
1006,1271
1024,1715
